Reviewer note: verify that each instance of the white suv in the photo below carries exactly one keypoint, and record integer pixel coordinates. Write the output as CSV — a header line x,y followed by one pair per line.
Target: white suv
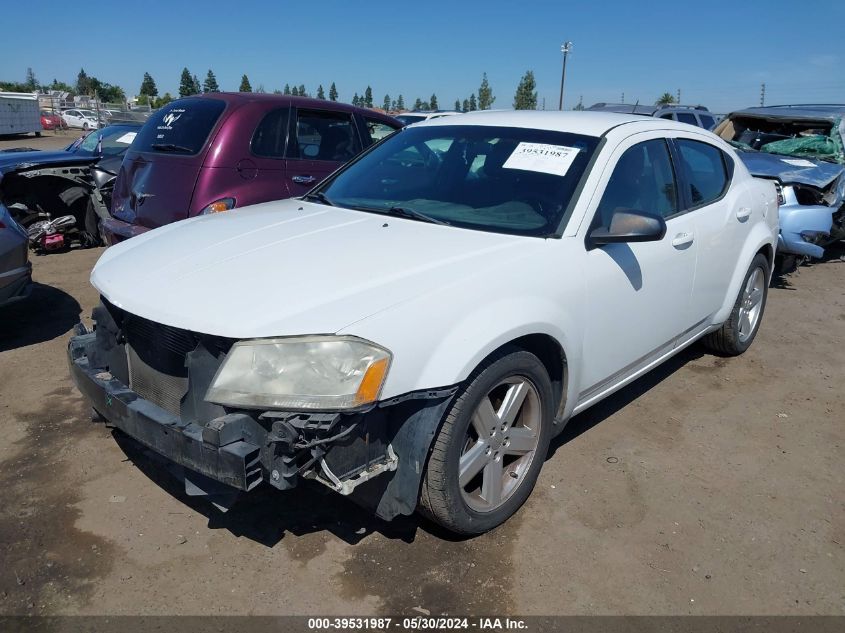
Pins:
x,y
430,316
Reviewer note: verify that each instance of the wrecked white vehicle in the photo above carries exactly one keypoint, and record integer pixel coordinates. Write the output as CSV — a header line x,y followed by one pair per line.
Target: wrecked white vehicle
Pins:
x,y
800,146
415,330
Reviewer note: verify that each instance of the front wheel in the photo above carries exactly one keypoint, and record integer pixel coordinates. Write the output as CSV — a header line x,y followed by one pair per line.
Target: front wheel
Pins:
x,y
488,453
738,332
85,126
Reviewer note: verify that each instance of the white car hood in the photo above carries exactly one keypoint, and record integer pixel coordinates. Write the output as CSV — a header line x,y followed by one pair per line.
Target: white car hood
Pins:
x,y
290,267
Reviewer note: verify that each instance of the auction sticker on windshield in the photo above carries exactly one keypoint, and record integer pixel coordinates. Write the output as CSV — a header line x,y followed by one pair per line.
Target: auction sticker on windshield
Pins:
x,y
547,159
127,138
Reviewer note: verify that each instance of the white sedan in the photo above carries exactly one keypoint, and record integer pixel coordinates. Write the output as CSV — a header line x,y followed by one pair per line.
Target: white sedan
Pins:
x,y
429,317
84,119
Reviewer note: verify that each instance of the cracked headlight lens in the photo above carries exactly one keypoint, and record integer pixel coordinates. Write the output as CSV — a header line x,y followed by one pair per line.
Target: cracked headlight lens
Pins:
x,y
309,372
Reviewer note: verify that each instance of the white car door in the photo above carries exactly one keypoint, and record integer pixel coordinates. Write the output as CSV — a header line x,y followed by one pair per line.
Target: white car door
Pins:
x,y
721,213
638,293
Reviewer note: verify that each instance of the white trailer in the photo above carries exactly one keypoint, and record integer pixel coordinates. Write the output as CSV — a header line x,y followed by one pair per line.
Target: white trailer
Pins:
x,y
19,113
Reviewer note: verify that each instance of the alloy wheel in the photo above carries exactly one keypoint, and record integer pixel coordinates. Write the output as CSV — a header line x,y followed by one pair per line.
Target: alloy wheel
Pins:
x,y
501,442
752,304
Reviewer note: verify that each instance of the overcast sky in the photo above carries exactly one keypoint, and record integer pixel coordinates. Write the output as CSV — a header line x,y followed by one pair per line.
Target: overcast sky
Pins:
x,y
717,53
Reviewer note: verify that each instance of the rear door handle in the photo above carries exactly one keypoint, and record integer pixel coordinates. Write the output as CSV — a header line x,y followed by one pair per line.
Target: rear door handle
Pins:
x,y
682,239
303,180
743,213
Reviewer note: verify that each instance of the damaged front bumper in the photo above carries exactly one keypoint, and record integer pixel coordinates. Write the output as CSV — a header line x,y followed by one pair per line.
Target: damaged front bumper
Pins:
x,y
226,450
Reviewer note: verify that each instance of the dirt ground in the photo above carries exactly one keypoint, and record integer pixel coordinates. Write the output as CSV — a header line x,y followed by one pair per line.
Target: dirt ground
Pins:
x,y
710,486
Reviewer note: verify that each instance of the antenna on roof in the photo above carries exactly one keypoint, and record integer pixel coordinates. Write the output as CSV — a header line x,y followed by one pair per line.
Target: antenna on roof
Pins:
x,y
634,109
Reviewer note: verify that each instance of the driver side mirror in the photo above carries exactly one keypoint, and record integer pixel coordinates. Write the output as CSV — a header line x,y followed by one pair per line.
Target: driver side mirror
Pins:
x,y
629,226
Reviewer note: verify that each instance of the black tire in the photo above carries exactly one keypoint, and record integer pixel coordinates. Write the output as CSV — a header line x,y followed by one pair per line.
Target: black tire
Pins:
x,y
727,340
441,499
92,226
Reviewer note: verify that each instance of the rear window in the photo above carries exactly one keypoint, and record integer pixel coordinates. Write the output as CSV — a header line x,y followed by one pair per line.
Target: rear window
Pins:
x,y
180,127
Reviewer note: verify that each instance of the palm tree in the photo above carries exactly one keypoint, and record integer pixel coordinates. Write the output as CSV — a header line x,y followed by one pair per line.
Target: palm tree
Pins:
x,y
665,99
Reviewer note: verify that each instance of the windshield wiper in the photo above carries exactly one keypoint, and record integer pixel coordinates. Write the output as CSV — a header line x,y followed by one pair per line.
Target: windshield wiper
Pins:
x,y
171,147
318,196
413,214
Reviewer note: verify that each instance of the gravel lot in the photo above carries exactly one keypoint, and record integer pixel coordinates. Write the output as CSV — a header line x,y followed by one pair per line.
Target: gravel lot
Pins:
x,y
710,486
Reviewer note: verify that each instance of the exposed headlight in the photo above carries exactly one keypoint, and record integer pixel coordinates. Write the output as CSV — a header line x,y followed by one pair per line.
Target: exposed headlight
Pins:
x,y
309,372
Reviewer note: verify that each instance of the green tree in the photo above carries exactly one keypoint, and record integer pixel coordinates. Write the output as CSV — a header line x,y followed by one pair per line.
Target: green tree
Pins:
x,y
386,103
108,93
148,86
162,101
260,89
83,83
485,94
666,98
210,83
320,93
245,85
31,82
433,102
356,100
61,86
580,105
186,83
400,103
473,104
526,93
333,92
286,91
197,84
457,105
368,97
465,106
302,92
418,104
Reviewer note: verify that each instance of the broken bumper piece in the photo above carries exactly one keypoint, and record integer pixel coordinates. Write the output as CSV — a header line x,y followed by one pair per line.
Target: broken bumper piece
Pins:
x,y
241,449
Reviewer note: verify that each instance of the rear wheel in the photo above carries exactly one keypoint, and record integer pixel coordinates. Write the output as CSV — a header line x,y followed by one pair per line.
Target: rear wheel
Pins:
x,y
738,332
491,447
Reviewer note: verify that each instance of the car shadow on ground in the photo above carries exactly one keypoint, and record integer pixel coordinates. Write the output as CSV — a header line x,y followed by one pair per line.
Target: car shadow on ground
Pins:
x,y
599,412
266,515
47,313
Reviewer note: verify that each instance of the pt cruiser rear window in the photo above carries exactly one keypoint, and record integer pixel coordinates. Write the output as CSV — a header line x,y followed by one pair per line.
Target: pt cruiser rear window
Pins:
x,y
181,127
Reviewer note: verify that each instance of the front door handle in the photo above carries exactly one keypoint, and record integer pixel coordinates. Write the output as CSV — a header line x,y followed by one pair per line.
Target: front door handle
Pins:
x,y
303,180
743,213
682,239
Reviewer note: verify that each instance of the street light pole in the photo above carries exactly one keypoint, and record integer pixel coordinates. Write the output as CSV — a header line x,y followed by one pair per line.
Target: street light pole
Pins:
x,y
565,48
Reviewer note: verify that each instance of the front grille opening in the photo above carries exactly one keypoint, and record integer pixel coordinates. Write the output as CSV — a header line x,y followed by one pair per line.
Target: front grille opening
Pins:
x,y
163,390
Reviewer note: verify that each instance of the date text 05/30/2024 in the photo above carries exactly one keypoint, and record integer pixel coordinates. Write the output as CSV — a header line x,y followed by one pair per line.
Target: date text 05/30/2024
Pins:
x,y
416,623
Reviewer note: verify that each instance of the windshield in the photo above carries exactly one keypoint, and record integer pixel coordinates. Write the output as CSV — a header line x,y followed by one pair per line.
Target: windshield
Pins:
x,y
797,137
116,140
507,180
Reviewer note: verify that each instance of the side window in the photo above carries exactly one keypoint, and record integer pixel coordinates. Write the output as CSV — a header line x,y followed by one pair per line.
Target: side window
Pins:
x,y
705,170
377,130
707,121
324,135
271,134
687,117
669,116
643,179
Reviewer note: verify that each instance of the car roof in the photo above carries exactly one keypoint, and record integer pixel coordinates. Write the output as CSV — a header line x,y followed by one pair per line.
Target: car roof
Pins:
x,y
797,111
245,97
577,122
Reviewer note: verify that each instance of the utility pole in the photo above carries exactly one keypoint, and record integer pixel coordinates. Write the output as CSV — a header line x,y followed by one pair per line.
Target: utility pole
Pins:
x,y
544,103
565,48
623,97
679,96
762,94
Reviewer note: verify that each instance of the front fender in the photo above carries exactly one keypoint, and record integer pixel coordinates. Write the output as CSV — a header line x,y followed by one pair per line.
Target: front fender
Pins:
x,y
439,339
